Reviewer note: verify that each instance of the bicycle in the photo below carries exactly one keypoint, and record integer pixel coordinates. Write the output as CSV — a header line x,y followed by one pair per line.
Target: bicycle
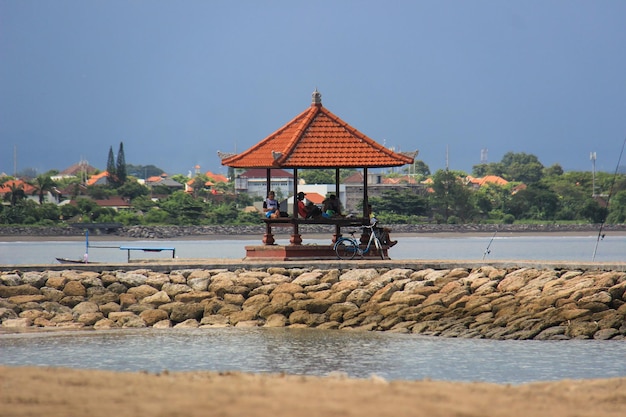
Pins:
x,y
348,247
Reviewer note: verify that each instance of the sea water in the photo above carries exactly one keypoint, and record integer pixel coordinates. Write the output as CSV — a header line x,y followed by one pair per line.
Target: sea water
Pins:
x,y
321,352
318,352
532,248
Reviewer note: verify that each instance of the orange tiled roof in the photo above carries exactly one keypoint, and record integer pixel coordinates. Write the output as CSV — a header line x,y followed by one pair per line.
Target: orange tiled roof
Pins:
x,y
94,178
216,177
314,198
356,178
492,179
6,187
316,138
488,179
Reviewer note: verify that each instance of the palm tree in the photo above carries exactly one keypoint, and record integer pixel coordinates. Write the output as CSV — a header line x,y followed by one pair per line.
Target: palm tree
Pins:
x,y
42,184
16,193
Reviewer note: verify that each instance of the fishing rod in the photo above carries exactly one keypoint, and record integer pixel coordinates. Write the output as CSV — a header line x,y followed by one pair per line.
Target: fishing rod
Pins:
x,y
608,202
488,250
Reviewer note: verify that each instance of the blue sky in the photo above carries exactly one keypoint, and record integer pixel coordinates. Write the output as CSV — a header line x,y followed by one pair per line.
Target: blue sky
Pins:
x,y
176,81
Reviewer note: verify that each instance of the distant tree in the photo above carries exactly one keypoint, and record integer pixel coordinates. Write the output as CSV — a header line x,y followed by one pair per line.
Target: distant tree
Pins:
x,y
199,185
617,208
48,212
156,216
180,178
418,168
405,202
143,171
522,167
323,176
100,192
27,173
535,202
482,170
490,199
68,211
553,171
111,168
42,185
593,211
182,208
317,176
132,189
121,165
451,198
143,203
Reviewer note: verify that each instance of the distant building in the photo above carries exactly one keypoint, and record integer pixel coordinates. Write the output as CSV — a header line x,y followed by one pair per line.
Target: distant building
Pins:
x,y
254,182
80,170
99,179
164,181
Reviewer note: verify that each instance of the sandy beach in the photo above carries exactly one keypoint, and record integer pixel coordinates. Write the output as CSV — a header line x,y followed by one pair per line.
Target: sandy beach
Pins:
x,y
53,392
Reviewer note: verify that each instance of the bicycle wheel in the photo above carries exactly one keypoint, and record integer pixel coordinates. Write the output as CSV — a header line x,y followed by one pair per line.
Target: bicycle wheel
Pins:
x,y
379,248
346,249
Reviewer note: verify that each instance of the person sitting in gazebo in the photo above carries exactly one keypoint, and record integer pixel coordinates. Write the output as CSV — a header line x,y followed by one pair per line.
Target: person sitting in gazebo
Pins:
x,y
331,207
271,206
302,210
382,232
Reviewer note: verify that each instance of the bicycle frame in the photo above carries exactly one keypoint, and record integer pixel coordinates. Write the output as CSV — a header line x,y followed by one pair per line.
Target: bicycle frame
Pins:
x,y
348,247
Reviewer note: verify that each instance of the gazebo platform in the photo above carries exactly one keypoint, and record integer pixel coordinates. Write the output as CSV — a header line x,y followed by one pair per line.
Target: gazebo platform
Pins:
x,y
300,252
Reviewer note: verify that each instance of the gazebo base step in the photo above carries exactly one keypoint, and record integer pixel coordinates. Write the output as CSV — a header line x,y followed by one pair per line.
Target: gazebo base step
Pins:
x,y
297,252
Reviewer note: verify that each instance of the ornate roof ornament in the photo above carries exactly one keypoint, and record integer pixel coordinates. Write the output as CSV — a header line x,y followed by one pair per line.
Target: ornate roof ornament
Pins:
x,y
316,98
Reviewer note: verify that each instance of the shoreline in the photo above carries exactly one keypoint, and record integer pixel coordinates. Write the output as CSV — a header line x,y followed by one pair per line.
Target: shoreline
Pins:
x,y
50,391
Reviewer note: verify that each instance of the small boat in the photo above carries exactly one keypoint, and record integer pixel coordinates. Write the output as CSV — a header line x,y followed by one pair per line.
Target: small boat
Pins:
x,y
74,261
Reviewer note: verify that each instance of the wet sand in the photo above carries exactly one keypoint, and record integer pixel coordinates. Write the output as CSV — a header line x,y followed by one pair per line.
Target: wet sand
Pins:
x,y
30,391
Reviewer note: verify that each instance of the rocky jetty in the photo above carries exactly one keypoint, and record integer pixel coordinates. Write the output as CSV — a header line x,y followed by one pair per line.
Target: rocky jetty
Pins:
x,y
482,302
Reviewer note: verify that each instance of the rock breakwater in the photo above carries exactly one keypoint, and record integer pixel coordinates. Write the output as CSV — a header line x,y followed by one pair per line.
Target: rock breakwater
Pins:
x,y
482,302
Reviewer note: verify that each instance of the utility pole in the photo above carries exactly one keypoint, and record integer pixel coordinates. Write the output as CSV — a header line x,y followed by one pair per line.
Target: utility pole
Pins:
x,y
592,156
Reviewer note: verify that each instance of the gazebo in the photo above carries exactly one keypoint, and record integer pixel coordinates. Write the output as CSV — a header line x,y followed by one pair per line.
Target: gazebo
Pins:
x,y
314,139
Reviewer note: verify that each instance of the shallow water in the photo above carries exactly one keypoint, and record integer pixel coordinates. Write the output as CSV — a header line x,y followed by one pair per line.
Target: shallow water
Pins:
x,y
318,352
539,248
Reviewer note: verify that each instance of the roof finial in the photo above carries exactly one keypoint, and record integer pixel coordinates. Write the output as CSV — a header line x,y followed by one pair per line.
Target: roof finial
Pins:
x,y
317,98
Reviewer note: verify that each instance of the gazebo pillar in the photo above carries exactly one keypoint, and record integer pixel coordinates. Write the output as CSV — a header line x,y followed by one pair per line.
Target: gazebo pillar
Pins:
x,y
268,237
366,212
296,238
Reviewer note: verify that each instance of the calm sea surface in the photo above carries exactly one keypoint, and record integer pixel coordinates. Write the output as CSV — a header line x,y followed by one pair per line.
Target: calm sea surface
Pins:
x,y
540,248
317,352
